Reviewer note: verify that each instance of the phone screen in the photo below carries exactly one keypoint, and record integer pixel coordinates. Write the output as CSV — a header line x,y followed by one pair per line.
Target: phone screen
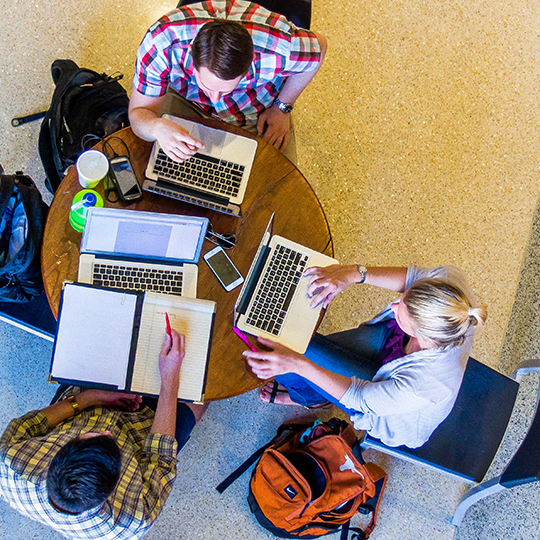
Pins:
x,y
223,267
127,182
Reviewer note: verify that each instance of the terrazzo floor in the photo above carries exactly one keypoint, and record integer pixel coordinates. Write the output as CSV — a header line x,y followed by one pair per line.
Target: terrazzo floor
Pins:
x,y
420,136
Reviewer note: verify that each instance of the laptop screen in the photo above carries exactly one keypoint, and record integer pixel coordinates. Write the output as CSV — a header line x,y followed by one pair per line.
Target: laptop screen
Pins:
x,y
143,235
254,271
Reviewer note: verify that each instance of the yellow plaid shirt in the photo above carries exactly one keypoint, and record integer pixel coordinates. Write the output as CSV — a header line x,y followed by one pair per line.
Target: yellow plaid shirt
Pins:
x,y
148,471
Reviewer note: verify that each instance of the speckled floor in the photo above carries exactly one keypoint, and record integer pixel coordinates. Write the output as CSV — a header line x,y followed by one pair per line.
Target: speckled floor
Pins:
x,y
421,137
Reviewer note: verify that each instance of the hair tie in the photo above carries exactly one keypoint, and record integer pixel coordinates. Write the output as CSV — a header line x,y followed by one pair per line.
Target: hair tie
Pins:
x,y
470,312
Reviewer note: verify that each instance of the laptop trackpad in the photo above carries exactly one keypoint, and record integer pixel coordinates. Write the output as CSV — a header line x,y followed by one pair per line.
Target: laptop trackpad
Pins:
x,y
214,140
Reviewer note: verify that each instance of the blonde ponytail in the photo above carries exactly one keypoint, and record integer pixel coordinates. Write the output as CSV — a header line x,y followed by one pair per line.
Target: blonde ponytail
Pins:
x,y
478,315
441,311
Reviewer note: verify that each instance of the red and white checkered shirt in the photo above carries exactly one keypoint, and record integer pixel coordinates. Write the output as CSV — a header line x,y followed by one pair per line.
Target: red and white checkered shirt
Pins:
x,y
280,50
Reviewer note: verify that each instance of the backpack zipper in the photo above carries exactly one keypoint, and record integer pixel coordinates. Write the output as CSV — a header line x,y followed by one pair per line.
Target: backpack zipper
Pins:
x,y
304,509
68,131
110,79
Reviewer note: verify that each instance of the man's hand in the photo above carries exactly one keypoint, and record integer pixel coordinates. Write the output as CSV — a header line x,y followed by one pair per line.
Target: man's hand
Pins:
x,y
89,398
170,358
326,283
176,142
278,361
273,126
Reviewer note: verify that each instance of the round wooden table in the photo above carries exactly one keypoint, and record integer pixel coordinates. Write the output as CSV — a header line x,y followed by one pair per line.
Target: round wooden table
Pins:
x,y
275,185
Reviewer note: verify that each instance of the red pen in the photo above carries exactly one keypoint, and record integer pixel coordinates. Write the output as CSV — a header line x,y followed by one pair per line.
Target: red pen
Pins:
x,y
169,331
241,335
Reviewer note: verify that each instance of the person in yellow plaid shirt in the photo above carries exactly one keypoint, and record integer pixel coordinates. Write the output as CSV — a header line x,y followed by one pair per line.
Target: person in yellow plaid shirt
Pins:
x,y
99,464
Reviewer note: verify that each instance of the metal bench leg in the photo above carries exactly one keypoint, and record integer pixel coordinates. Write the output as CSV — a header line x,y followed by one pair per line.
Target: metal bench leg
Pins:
x,y
474,495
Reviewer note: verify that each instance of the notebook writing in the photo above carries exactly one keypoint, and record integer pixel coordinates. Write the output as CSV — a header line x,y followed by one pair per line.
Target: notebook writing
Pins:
x,y
190,317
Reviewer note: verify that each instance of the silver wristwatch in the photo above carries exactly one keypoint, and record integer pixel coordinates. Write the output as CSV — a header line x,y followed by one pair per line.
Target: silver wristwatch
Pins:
x,y
287,108
362,270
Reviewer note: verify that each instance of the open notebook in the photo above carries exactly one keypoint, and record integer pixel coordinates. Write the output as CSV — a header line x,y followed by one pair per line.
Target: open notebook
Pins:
x,y
111,339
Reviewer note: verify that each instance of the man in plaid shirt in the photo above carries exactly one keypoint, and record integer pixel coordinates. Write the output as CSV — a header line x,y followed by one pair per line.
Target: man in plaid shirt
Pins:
x,y
230,59
91,470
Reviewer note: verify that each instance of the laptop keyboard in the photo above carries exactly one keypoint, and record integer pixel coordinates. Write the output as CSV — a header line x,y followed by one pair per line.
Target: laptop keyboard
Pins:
x,y
118,276
202,171
187,198
277,289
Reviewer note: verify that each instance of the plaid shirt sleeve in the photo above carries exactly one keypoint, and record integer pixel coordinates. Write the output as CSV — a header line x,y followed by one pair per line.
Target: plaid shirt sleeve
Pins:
x,y
305,52
158,467
17,446
20,430
153,67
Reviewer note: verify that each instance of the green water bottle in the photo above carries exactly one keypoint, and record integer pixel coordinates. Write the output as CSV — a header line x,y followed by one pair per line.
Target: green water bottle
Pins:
x,y
84,200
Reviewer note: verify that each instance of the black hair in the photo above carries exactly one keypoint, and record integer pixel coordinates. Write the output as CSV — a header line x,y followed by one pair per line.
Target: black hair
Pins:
x,y
224,47
83,473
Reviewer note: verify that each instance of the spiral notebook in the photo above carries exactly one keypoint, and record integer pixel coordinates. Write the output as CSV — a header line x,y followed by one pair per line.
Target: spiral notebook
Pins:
x,y
111,339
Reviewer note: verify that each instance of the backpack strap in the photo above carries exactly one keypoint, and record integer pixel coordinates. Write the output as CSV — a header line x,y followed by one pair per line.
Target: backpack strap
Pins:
x,y
380,478
59,69
20,120
64,73
359,534
277,440
372,506
63,69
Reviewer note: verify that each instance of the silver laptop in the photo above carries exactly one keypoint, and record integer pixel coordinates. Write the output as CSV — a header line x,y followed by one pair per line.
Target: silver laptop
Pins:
x,y
273,302
146,251
215,177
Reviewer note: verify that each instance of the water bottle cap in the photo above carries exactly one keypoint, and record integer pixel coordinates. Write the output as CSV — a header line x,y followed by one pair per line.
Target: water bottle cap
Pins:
x,y
89,199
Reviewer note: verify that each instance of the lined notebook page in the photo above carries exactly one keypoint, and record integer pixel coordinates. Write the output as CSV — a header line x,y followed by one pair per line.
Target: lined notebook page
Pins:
x,y
94,335
188,316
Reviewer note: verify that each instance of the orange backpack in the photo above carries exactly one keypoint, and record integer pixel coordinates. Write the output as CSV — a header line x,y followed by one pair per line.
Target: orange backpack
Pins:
x,y
311,480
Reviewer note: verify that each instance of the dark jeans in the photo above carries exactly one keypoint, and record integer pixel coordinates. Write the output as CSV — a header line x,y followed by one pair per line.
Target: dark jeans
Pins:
x,y
185,419
351,353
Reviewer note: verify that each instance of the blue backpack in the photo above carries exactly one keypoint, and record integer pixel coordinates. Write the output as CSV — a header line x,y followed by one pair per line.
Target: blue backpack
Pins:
x,y
22,220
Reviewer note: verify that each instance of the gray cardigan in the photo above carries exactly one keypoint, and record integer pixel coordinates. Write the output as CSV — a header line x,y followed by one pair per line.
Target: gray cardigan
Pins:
x,y
410,396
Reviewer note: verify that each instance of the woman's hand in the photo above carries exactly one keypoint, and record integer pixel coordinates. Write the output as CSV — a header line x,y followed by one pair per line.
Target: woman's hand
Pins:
x,y
278,361
326,283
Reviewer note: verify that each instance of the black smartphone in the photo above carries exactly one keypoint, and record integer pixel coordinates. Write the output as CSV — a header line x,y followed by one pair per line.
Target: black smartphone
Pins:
x,y
124,179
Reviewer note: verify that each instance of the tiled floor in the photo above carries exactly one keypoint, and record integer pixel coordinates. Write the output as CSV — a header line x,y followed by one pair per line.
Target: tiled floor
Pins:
x,y
421,137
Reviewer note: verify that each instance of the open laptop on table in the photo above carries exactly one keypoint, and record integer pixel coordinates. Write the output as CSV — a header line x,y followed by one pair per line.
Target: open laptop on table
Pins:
x,y
273,302
215,177
147,251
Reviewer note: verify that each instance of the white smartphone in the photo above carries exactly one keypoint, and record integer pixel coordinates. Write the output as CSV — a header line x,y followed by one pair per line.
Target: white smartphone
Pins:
x,y
223,268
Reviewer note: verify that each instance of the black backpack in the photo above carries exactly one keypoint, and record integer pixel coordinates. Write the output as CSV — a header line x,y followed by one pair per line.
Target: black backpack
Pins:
x,y
84,102
20,245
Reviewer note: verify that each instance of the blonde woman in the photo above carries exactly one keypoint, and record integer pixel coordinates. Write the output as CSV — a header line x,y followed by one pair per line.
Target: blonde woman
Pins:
x,y
397,375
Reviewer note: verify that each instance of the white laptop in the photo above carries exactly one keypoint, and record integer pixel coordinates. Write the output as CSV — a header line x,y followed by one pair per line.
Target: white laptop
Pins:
x,y
273,302
215,177
146,251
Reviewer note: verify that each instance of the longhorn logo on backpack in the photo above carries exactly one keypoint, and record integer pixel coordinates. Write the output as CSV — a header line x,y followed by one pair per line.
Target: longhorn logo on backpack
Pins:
x,y
311,480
